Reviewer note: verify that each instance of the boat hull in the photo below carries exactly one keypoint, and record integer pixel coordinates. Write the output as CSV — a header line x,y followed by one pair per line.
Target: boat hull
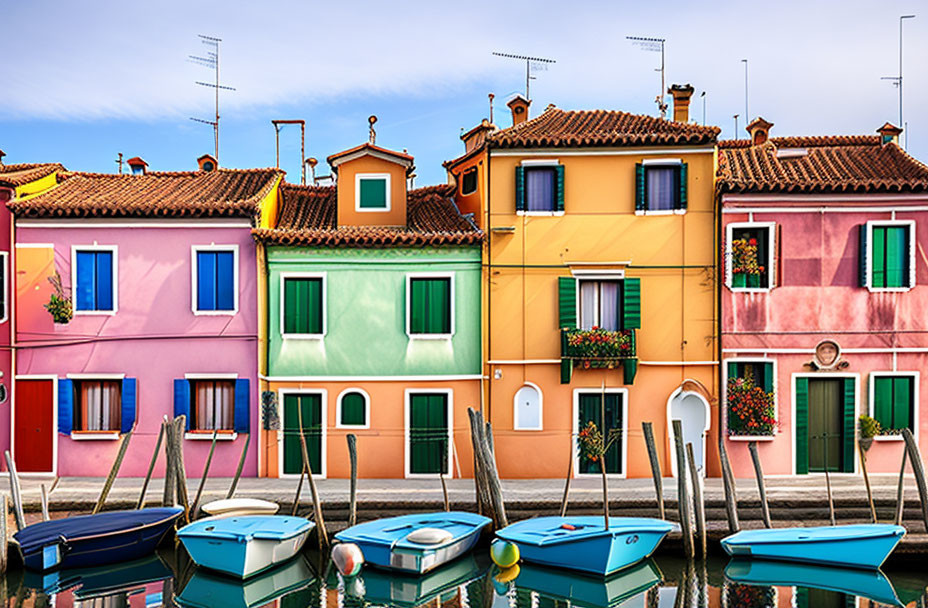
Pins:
x,y
589,591
206,590
243,559
855,546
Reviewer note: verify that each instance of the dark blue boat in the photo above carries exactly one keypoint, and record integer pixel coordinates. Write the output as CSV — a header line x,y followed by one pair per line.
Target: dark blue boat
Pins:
x,y
94,540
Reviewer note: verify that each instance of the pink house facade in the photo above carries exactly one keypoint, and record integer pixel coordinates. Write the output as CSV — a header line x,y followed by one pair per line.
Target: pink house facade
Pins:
x,y
824,298
161,273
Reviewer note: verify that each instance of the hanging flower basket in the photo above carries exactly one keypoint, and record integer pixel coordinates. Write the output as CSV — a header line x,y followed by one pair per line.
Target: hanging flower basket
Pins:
x,y
751,410
598,348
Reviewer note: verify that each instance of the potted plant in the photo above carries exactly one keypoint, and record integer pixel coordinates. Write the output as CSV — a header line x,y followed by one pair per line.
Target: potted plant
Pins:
x,y
869,428
593,446
745,263
59,303
751,409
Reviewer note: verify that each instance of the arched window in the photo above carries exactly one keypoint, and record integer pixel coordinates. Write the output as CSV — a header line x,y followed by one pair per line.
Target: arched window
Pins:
x,y
353,409
527,408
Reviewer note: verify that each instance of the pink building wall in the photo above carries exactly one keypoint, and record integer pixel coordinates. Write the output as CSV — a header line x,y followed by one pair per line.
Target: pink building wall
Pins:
x,y
154,335
818,297
6,355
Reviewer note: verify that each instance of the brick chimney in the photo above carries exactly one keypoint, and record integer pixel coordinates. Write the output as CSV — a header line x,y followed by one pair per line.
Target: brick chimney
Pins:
x,y
889,134
519,106
681,101
759,130
137,165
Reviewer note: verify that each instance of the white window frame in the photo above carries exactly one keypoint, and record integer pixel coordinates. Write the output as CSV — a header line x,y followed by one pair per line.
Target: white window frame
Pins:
x,y
541,409
114,249
792,413
367,409
325,309
357,192
771,228
98,435
599,277
281,393
776,398
449,392
576,424
535,163
194,269
915,401
910,224
5,288
659,162
222,434
408,312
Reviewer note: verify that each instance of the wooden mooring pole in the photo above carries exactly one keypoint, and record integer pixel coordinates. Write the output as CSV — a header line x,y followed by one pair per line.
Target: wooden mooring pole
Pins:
x,y
180,470
683,498
648,430
151,469
241,467
863,468
918,467
15,492
487,464
209,461
700,507
4,535
353,484
570,474
761,489
45,516
114,471
731,496
168,498
900,491
317,503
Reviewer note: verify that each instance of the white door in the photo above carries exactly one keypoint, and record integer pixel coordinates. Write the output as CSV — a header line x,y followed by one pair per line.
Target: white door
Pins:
x,y
693,411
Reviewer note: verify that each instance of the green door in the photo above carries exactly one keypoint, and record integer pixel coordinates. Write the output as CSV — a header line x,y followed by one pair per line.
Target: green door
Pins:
x,y
826,425
428,433
311,405
591,408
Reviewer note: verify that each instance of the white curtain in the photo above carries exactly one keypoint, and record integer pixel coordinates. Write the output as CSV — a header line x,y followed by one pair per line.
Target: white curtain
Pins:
x,y
609,305
599,304
661,182
589,304
100,405
214,405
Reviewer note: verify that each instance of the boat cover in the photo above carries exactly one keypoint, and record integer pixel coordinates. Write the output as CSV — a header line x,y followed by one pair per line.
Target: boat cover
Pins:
x,y
814,534
393,531
247,527
70,528
545,531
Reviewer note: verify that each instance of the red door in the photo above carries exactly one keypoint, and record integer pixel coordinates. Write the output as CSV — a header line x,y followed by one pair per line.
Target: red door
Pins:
x,y
35,426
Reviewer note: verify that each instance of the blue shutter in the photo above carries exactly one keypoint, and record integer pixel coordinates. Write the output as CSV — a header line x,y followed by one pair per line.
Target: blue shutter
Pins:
x,y
242,406
182,399
206,281
129,399
520,189
103,280
65,406
84,290
225,281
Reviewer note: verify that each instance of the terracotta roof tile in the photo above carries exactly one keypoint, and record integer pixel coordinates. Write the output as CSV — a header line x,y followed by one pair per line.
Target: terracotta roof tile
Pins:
x,y
307,216
826,164
224,192
597,128
23,173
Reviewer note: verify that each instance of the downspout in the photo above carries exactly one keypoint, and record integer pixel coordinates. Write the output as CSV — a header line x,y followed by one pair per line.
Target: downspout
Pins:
x,y
11,322
488,232
719,279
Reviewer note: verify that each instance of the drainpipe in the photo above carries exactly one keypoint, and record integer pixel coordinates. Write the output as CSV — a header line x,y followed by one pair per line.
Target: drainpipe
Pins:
x,y
488,232
719,280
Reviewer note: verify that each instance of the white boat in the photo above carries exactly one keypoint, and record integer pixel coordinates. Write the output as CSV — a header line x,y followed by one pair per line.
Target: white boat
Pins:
x,y
244,546
233,507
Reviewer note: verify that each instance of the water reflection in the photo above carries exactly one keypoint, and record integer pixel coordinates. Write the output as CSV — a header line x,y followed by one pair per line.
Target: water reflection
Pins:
x,y
170,579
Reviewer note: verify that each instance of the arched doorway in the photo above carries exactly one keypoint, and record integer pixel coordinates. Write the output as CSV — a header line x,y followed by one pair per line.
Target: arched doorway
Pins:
x,y
692,409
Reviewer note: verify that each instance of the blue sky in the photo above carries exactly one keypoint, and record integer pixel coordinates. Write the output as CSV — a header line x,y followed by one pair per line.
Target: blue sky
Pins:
x,y
81,81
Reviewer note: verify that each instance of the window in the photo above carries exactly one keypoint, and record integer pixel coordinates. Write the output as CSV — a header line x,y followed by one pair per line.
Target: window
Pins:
x,y
430,306
97,405
219,402
94,279
372,192
892,401
540,187
4,293
888,255
750,398
215,280
469,181
352,408
303,305
750,255
528,406
600,305
661,186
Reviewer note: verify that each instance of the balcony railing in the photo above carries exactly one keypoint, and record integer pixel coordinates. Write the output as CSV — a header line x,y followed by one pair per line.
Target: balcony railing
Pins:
x,y
598,349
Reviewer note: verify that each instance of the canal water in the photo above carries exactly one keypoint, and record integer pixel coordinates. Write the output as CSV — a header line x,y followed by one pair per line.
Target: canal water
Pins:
x,y
169,579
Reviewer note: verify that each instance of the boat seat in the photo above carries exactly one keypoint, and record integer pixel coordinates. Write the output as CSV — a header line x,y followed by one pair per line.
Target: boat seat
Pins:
x,y
429,536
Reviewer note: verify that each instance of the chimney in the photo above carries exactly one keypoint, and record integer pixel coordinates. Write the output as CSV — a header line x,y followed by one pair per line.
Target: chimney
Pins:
x,y
889,134
519,106
2,154
137,165
759,130
681,101
207,163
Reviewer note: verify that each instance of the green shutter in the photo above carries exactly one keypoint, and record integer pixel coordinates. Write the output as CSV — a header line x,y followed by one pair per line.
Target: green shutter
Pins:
x,y
418,309
896,256
440,306
902,402
567,302
768,376
629,370
878,258
802,425
353,410
639,187
732,370
302,306
681,201
520,189
559,201
850,425
567,370
862,256
883,400
631,303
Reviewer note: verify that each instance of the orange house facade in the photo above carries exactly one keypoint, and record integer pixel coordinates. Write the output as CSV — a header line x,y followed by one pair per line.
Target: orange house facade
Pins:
x,y
599,291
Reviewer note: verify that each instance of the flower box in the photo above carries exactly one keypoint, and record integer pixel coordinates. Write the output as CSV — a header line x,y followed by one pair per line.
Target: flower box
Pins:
x,y
752,411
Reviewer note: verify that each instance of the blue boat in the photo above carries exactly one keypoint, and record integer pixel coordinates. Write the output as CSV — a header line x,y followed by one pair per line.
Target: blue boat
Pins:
x,y
401,590
587,591
244,546
853,546
870,584
583,543
208,590
99,581
416,543
95,540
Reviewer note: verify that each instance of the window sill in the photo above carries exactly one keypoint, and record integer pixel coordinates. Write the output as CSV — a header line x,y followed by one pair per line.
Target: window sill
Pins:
x,y
889,289
888,438
215,313
208,435
95,435
527,429
354,427
752,437
303,336
430,337
660,212
750,289
540,213
94,313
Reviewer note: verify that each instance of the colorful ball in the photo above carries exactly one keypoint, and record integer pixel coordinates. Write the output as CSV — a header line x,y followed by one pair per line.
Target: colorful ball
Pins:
x,y
347,558
504,553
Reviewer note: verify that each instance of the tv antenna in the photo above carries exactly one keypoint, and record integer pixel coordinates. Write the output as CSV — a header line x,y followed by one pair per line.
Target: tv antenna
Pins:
x,y
654,45
532,64
897,80
278,125
211,61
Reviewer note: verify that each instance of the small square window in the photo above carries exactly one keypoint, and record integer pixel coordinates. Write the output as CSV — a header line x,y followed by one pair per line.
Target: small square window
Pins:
x,y
303,306
430,306
373,193
894,402
212,405
97,405
540,189
469,182
94,280
215,281
749,250
890,247
662,187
